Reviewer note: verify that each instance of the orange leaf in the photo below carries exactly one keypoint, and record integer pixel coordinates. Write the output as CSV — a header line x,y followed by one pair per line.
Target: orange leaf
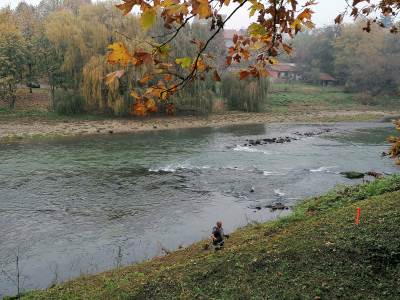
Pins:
x,y
145,79
216,76
243,74
287,48
305,14
144,57
139,109
168,77
127,6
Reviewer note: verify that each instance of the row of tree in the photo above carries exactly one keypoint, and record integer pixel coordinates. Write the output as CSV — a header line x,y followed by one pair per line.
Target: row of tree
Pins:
x,y
359,60
63,43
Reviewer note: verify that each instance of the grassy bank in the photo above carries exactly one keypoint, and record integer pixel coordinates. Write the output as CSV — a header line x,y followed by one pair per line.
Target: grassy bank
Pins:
x,y
317,252
284,97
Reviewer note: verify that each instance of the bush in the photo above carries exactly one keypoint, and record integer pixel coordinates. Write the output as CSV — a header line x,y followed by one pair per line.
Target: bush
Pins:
x,y
68,103
365,98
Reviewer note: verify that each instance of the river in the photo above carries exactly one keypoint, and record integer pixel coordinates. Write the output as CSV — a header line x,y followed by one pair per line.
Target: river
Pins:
x,y
81,205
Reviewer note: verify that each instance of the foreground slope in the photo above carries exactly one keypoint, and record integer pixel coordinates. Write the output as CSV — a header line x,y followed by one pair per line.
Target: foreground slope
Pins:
x,y
317,252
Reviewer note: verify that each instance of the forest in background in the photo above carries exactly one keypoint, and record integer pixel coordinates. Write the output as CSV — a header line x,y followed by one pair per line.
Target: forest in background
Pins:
x,y
362,62
63,45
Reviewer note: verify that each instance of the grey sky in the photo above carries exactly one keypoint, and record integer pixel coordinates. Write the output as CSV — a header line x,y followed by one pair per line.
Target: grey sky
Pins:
x,y
325,12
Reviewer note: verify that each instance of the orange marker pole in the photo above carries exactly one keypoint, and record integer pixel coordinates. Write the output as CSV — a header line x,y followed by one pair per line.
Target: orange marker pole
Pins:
x,y
357,221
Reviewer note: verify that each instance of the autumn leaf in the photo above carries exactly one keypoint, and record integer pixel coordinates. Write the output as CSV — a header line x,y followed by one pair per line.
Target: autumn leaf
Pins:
x,y
112,76
119,54
148,18
202,8
143,57
256,29
139,109
296,25
185,62
201,66
339,19
216,76
305,14
257,6
127,6
135,95
243,74
145,79
151,105
287,48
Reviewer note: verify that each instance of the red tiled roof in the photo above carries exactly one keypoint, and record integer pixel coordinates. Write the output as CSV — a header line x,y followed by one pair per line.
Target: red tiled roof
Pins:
x,y
326,77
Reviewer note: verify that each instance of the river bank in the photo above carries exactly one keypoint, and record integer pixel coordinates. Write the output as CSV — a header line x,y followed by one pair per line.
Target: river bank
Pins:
x,y
317,252
23,128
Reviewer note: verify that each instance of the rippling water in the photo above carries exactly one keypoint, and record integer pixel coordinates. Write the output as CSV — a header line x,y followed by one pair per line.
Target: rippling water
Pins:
x,y
83,205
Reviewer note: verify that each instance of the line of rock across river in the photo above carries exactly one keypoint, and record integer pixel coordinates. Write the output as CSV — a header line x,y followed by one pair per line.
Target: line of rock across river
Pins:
x,y
285,139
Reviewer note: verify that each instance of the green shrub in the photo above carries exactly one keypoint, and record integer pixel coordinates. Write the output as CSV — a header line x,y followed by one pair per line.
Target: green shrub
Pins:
x,y
68,103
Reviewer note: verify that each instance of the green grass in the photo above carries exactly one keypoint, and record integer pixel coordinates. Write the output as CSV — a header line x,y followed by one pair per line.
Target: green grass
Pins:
x,y
299,95
315,253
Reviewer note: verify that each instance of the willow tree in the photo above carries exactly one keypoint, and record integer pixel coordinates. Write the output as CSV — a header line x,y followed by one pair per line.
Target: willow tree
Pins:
x,y
12,57
76,39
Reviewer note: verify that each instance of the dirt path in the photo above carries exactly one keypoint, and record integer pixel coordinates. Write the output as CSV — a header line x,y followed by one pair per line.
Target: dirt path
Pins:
x,y
25,128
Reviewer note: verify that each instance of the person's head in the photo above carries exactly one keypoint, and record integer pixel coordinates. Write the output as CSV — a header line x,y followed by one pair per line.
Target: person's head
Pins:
x,y
219,224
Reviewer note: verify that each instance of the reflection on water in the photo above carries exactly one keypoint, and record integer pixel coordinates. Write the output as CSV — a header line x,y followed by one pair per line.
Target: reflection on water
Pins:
x,y
69,205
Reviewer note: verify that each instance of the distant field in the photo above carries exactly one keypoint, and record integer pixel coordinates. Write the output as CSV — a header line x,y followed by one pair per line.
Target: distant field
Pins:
x,y
299,96
282,98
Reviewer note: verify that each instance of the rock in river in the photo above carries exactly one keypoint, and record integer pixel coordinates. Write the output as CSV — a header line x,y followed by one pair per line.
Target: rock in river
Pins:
x,y
353,175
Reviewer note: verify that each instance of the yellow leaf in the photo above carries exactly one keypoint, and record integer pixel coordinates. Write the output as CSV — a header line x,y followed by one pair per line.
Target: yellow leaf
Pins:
x,y
135,95
296,25
119,54
255,7
256,29
148,18
185,62
167,3
204,9
151,105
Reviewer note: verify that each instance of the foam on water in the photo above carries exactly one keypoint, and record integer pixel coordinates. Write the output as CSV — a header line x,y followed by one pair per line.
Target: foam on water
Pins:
x,y
279,193
322,169
250,149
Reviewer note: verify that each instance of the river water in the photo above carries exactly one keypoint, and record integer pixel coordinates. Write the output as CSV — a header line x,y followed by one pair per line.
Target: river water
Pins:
x,y
82,205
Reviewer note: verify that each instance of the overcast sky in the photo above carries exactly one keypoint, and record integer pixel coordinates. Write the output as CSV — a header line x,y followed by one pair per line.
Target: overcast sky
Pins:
x,y
325,12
